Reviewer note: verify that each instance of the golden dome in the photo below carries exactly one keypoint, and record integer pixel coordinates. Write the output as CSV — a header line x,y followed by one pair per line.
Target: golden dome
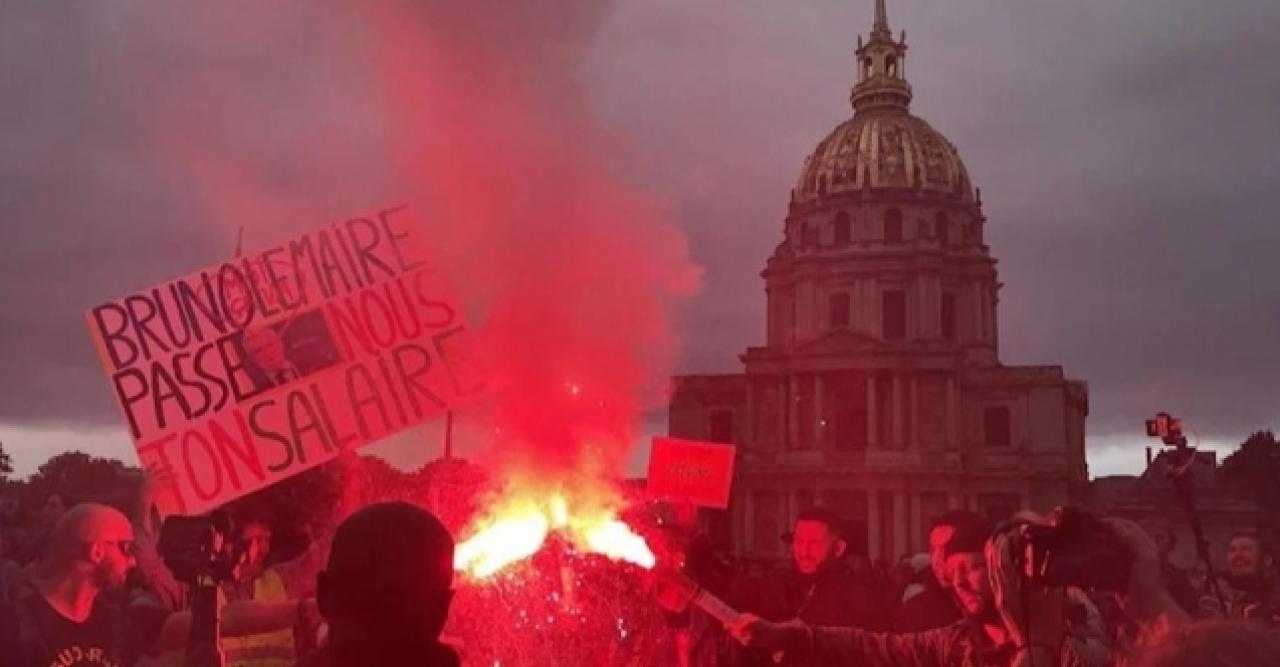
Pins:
x,y
886,150
883,147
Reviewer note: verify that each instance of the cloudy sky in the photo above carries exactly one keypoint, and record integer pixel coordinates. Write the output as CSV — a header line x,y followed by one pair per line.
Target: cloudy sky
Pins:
x,y
1129,156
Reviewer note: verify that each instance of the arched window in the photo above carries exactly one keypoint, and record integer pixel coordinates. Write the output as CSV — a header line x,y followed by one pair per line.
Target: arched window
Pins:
x,y
891,66
941,225
893,226
843,229
867,68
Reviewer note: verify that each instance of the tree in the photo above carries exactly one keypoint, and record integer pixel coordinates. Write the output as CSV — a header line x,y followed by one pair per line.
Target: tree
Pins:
x,y
1253,472
80,477
6,464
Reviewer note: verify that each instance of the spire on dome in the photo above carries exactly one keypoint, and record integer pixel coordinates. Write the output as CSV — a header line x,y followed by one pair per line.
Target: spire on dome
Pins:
x,y
882,19
881,80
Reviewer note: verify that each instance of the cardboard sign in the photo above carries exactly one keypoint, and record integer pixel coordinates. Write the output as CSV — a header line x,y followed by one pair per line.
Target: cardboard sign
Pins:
x,y
690,471
245,373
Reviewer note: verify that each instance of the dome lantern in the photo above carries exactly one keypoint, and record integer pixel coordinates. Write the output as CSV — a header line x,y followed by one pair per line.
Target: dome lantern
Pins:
x,y
881,80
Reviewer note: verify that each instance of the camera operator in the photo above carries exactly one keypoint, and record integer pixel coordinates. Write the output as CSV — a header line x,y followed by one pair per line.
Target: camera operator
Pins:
x,y
67,614
258,578
1008,620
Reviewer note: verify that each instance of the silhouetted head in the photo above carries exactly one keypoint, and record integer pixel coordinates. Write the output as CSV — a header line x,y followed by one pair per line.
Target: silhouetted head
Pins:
x,y
389,578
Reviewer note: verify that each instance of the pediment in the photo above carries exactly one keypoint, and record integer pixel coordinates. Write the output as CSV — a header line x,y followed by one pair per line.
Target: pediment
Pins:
x,y
841,341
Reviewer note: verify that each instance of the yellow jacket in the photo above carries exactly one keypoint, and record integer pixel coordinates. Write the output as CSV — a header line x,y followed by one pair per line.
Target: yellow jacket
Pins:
x,y
269,649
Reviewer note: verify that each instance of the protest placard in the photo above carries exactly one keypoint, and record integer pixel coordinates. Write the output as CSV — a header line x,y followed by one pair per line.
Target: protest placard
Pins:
x,y
690,471
248,372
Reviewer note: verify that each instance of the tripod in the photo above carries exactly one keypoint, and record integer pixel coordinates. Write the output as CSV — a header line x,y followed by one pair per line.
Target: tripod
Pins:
x,y
1185,488
202,642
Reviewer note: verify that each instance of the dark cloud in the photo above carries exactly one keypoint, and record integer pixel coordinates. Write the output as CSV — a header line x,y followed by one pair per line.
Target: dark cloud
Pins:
x,y
135,142
1128,155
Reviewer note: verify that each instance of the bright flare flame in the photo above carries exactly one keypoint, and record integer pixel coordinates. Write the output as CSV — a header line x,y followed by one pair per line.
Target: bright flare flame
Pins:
x,y
615,540
501,544
517,533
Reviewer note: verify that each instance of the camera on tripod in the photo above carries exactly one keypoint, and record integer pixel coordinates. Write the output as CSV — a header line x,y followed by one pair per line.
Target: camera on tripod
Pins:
x,y
1168,428
200,548
200,552
1074,549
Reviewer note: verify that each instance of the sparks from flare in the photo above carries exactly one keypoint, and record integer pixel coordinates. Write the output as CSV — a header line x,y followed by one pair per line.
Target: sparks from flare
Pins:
x,y
518,531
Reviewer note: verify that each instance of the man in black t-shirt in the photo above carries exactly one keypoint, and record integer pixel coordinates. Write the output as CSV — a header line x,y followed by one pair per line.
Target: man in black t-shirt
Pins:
x,y
65,615
70,613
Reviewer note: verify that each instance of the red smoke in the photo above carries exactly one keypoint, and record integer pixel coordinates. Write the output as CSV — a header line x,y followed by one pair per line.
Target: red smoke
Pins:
x,y
571,272
283,117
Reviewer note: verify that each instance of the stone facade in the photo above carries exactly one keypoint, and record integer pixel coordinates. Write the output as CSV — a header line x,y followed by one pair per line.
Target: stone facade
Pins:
x,y
879,390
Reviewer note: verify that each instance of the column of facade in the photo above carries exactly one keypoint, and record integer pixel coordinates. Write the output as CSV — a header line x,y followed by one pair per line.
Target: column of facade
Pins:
x,y
821,426
793,420
785,506
995,334
873,431
979,320
913,412
916,539
899,431
874,323
873,523
900,525
953,417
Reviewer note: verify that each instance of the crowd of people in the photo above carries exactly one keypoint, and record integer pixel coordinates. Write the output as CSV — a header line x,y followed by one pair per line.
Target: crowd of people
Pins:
x,y
974,603
92,591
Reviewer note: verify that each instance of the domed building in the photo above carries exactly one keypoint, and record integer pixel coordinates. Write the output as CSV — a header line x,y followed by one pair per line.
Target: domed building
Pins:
x,y
879,391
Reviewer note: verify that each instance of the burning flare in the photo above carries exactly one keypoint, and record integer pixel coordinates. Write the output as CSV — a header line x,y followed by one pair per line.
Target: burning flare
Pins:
x,y
518,531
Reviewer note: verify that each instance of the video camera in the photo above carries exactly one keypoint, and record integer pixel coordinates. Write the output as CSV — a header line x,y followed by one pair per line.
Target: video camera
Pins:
x,y
1074,549
199,551
200,548
1168,428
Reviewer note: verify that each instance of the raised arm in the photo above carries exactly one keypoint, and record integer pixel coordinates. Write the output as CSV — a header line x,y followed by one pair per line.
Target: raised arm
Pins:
x,y
238,619
809,645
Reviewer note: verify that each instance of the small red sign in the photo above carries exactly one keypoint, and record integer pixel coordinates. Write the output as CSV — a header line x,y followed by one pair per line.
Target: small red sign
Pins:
x,y
691,471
